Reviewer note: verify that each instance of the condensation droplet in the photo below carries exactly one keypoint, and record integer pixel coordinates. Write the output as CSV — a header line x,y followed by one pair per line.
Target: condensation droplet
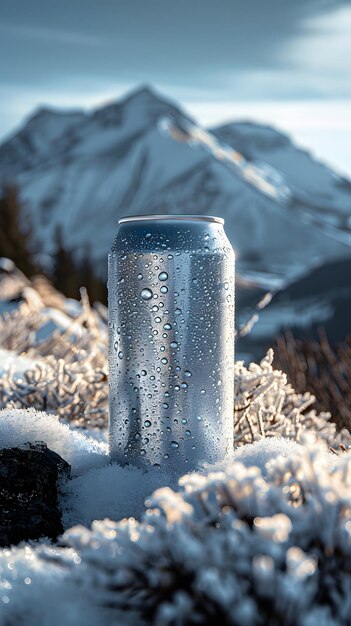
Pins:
x,y
174,344
187,373
187,433
146,294
177,312
167,326
120,354
140,276
165,405
164,289
174,445
147,423
163,276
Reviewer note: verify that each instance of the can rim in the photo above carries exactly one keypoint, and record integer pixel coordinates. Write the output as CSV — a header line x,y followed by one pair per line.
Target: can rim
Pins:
x,y
180,218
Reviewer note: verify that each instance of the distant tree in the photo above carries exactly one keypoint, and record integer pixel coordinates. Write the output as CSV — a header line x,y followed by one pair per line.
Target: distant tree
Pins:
x,y
14,236
65,275
69,274
95,286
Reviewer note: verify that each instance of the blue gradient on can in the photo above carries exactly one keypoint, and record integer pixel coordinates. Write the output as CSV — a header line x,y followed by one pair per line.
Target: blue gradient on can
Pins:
x,y
171,342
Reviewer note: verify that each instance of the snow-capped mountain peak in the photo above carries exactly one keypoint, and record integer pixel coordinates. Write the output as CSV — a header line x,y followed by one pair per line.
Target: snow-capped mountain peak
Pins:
x,y
141,107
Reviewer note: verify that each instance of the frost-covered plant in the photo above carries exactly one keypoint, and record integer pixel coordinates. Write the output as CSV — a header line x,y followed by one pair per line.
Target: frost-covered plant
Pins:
x,y
68,374
76,392
321,367
266,405
241,547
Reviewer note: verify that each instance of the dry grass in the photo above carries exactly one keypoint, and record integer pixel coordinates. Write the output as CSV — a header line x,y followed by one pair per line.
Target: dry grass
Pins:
x,y
317,367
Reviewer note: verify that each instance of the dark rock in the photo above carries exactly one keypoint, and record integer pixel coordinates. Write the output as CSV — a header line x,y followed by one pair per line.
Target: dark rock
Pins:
x,y
28,493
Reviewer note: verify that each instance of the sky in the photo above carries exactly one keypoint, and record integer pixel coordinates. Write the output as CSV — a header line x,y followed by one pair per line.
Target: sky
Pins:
x,y
282,62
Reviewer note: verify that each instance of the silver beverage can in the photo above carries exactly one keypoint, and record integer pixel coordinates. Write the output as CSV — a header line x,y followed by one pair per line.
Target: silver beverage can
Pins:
x,y
171,342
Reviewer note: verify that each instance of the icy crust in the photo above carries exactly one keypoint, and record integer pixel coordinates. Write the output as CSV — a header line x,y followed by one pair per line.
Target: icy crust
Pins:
x,y
239,546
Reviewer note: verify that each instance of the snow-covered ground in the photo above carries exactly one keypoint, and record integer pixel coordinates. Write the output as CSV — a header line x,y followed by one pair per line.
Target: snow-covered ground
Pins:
x,y
263,539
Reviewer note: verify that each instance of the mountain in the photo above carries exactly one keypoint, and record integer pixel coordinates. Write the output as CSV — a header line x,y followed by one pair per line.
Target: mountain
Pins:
x,y
82,171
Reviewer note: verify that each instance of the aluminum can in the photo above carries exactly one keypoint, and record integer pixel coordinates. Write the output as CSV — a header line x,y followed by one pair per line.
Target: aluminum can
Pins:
x,y
171,342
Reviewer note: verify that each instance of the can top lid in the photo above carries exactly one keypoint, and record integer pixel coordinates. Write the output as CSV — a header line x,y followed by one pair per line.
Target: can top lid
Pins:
x,y
184,218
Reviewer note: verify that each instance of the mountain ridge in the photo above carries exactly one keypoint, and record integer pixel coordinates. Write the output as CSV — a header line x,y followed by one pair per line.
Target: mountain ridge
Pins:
x,y
82,170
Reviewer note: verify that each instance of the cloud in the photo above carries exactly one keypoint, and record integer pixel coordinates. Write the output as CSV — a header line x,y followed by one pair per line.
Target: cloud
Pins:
x,y
50,35
158,40
206,53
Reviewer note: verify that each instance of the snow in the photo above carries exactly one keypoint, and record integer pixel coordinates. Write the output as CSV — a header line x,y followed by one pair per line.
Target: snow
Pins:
x,y
97,489
111,492
18,427
261,453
